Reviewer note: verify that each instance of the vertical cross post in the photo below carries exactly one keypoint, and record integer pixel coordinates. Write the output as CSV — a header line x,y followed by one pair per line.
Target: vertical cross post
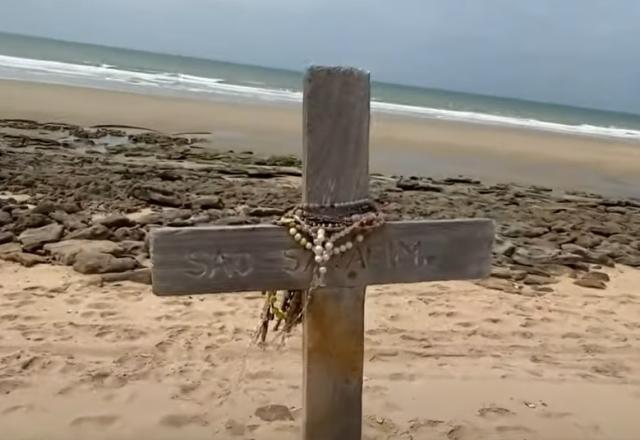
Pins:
x,y
336,169
208,259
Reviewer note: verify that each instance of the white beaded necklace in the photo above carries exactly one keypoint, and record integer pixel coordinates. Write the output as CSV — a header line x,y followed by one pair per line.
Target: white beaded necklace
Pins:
x,y
330,235
327,231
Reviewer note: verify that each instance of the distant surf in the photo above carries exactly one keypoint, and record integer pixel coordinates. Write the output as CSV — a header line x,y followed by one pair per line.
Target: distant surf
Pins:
x,y
55,62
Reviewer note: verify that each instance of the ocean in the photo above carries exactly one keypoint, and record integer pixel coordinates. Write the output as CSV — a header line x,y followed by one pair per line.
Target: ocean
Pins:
x,y
60,62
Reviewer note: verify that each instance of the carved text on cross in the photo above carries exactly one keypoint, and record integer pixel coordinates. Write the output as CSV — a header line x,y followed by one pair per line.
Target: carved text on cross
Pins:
x,y
264,257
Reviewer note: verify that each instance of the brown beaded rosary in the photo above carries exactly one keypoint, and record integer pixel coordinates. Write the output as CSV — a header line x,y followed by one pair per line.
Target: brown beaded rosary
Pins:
x,y
327,231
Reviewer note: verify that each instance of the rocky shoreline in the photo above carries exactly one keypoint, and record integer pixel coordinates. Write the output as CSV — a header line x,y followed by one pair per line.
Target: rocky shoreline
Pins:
x,y
87,198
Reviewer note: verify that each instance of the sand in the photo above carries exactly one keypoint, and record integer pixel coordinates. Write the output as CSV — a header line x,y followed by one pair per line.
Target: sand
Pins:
x,y
80,360
443,360
399,145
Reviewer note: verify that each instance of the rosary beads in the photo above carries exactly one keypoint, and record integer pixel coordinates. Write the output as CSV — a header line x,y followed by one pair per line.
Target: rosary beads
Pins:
x,y
330,235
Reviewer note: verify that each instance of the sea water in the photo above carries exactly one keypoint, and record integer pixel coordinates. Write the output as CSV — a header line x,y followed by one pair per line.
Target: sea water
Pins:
x,y
60,62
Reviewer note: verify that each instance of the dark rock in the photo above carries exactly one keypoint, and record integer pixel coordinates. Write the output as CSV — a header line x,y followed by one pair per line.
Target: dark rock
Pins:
x,y
417,185
180,223
273,413
208,202
27,260
130,247
236,220
566,258
561,226
524,231
582,200
560,239
532,256
32,221
6,237
141,276
278,160
65,252
5,218
46,207
501,272
200,219
70,222
261,173
117,221
606,229
597,276
156,196
555,269
508,274
95,232
537,280
629,260
461,180
9,248
506,248
172,215
575,249
580,265
620,238
152,218
596,257
588,241
543,289
134,234
33,239
533,270
617,209
98,263
614,250
69,207
265,212
590,283
170,175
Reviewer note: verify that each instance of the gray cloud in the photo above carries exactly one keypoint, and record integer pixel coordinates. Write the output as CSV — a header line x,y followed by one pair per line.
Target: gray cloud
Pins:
x,y
580,52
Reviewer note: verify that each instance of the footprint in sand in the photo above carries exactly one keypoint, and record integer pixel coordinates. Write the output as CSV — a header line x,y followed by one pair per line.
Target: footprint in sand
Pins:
x,y
494,411
18,408
100,306
555,414
9,385
513,429
102,421
182,420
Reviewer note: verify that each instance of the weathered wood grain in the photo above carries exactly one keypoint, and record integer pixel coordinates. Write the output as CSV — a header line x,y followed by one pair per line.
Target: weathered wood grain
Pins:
x,y
333,345
210,259
336,135
336,169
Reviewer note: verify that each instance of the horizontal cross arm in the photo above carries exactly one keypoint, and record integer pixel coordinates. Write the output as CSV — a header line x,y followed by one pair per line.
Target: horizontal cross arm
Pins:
x,y
212,259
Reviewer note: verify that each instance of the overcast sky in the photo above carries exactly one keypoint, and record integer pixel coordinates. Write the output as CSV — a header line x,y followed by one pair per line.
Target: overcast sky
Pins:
x,y
581,52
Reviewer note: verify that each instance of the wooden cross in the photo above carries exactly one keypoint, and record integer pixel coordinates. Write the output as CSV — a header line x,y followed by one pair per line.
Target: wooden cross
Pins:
x,y
212,259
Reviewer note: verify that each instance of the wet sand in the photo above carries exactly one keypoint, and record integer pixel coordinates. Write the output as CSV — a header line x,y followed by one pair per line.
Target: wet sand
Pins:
x,y
399,145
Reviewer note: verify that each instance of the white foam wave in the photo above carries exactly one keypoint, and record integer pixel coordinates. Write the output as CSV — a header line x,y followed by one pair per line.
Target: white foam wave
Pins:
x,y
486,118
106,76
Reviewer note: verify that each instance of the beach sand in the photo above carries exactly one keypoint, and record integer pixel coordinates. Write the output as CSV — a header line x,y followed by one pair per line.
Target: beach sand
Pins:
x,y
399,145
443,361
80,359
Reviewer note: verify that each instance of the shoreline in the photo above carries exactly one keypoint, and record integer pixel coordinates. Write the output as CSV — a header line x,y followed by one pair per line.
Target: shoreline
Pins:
x,y
400,145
